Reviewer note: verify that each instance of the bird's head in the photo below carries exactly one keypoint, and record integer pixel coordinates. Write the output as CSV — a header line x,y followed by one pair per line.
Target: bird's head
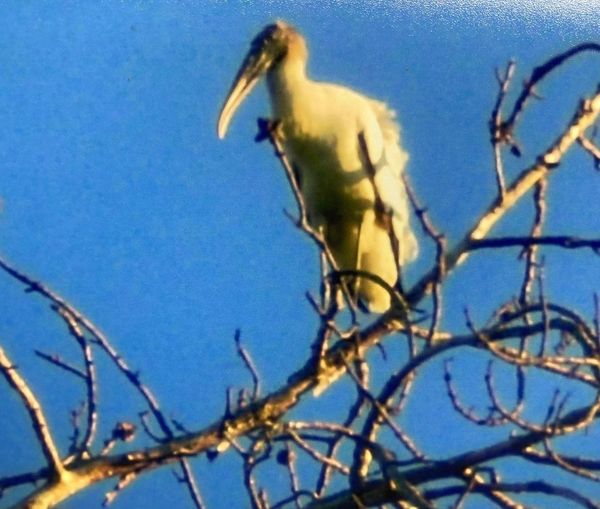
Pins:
x,y
269,48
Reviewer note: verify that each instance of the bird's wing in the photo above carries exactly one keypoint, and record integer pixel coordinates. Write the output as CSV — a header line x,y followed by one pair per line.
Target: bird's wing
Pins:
x,y
389,180
390,131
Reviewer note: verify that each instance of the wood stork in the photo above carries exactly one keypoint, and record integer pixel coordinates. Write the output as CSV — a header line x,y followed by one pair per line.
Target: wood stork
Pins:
x,y
327,129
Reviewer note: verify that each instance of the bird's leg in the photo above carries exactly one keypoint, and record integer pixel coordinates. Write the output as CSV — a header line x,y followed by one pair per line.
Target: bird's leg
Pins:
x,y
357,252
271,130
340,290
327,310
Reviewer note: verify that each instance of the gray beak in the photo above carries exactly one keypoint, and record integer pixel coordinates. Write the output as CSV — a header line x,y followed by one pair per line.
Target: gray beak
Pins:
x,y
256,63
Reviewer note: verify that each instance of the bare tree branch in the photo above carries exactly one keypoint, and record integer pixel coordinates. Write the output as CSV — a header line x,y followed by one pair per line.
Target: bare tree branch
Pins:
x,y
539,73
355,457
36,415
585,116
563,241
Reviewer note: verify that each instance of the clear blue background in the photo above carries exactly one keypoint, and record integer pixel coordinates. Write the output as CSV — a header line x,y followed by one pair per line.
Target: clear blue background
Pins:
x,y
116,192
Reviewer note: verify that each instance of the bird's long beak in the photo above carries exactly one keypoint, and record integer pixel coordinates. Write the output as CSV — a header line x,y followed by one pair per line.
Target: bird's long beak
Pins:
x,y
256,63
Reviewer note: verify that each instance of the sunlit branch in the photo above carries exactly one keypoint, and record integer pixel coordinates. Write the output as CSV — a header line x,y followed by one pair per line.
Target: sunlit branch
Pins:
x,y
585,116
36,414
249,363
498,135
133,377
440,258
90,379
125,481
254,425
539,73
189,480
591,148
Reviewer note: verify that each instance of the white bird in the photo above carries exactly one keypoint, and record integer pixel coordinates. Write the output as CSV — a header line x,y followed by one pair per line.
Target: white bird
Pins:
x,y
322,126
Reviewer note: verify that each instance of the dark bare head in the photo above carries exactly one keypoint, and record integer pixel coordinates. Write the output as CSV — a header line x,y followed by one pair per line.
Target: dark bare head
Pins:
x,y
274,45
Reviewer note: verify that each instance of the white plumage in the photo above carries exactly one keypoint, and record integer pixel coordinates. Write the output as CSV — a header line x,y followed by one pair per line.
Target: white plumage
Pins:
x,y
321,124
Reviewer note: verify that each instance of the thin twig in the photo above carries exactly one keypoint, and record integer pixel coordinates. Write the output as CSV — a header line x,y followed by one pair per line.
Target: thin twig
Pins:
x,y
441,246
584,117
90,379
385,416
353,414
564,241
555,428
133,377
498,137
123,483
249,363
468,413
544,305
530,251
539,73
543,458
567,465
56,360
594,151
315,454
463,496
596,336
290,463
189,480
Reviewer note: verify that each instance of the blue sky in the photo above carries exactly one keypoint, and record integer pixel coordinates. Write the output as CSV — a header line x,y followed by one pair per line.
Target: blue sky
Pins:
x,y
116,192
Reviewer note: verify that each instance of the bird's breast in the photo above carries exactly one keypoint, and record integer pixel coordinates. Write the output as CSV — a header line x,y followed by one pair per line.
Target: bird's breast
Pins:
x,y
321,124
332,179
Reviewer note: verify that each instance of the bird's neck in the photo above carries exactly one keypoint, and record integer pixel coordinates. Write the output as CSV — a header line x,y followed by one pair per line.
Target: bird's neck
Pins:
x,y
287,83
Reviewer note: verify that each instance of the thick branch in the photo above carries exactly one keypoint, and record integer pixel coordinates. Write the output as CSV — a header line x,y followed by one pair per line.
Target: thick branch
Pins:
x,y
99,337
379,492
36,414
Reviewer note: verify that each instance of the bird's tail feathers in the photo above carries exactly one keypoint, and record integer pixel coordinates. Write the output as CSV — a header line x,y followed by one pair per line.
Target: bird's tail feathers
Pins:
x,y
375,256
